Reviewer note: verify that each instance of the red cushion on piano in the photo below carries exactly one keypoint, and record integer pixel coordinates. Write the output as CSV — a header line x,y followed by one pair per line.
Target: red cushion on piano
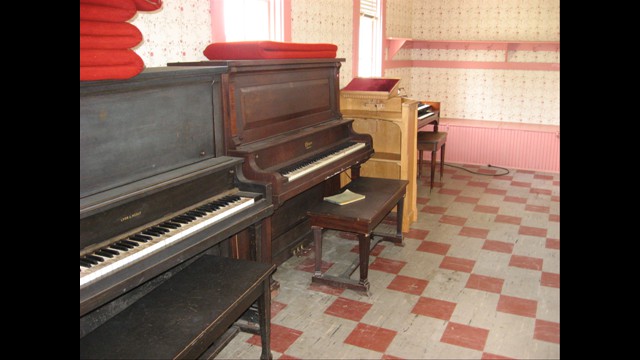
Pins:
x,y
252,50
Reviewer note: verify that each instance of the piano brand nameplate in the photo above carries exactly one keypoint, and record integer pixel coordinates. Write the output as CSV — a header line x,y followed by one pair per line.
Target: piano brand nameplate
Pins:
x,y
137,128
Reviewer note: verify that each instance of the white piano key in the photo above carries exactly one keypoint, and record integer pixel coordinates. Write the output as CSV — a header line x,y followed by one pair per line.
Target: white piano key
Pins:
x,y
127,257
322,162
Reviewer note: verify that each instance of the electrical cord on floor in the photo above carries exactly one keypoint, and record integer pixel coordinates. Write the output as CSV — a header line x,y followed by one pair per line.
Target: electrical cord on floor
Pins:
x,y
477,173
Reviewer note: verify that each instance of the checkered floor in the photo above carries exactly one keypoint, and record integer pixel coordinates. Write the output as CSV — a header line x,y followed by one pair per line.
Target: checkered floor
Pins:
x,y
478,278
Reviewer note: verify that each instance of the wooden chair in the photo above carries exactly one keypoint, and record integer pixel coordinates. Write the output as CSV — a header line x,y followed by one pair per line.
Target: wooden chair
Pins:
x,y
431,141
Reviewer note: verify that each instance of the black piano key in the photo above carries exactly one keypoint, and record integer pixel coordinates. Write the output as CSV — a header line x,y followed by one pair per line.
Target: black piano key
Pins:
x,y
151,232
104,253
171,224
180,220
95,258
159,229
85,263
128,242
110,251
140,237
89,260
195,213
119,247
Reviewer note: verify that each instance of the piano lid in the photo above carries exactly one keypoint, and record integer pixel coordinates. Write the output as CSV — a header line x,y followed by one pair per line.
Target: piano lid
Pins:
x,y
141,127
371,88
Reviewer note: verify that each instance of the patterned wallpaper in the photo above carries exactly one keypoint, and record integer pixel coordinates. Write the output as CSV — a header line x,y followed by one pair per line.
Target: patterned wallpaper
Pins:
x,y
476,94
326,21
178,31
399,20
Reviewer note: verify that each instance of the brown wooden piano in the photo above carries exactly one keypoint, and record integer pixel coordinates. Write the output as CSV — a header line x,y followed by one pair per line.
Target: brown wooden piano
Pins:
x,y
283,118
160,203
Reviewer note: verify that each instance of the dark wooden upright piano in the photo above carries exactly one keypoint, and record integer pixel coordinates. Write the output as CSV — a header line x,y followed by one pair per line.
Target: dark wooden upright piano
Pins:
x,y
283,118
159,203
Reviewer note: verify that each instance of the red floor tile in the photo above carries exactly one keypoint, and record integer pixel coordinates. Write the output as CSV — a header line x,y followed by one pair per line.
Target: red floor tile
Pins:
x,y
537,208
543,177
521,183
552,244
309,265
433,247
498,246
526,262
452,220
387,265
288,357
531,172
504,177
390,357
434,209
466,336
478,183
550,279
281,338
489,356
555,198
276,307
495,191
408,285
417,234
331,290
449,191
421,200
374,252
515,199
540,191
517,306
434,308
556,183
461,177
554,217
473,232
533,231
348,309
514,220
371,337
547,331
485,283
466,199
487,171
486,209
457,264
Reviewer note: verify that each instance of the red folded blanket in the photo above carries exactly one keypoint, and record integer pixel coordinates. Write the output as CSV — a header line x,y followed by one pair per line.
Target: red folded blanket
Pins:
x,y
249,50
148,5
107,10
108,35
109,64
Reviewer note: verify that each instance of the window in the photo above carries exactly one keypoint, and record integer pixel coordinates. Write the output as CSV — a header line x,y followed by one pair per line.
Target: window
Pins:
x,y
370,39
244,20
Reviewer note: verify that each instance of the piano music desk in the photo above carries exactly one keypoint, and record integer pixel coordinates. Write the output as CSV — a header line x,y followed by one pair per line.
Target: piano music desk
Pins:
x,y
363,217
185,315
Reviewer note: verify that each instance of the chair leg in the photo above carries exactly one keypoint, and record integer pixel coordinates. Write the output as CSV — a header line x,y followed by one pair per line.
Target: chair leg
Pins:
x,y
442,160
433,168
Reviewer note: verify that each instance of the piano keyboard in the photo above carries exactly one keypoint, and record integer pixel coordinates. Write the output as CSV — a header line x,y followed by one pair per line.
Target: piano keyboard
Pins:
x,y
154,238
425,115
301,169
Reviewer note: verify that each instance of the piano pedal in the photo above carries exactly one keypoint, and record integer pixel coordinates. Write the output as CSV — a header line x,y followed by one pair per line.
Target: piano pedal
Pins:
x,y
301,250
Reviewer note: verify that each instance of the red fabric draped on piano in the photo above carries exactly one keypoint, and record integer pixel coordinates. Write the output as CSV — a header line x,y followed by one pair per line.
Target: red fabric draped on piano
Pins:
x,y
106,38
254,50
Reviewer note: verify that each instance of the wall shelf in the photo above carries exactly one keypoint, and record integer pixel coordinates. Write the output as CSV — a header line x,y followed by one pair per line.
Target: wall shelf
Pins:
x,y
395,44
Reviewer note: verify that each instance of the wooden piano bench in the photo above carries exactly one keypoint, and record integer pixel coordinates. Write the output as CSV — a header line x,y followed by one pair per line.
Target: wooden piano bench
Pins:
x,y
188,315
363,217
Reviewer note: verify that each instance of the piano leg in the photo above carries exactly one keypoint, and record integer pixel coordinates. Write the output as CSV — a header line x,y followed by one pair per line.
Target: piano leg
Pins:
x,y
264,314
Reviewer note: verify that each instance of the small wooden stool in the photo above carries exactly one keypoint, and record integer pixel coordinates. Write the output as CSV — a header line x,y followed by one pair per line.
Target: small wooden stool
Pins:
x,y
431,141
362,217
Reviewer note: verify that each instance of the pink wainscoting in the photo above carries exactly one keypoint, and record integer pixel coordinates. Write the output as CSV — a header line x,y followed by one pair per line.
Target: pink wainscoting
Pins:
x,y
509,145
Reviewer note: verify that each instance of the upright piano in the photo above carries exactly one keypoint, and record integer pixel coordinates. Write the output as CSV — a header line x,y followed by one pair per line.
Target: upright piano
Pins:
x,y
283,118
157,195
